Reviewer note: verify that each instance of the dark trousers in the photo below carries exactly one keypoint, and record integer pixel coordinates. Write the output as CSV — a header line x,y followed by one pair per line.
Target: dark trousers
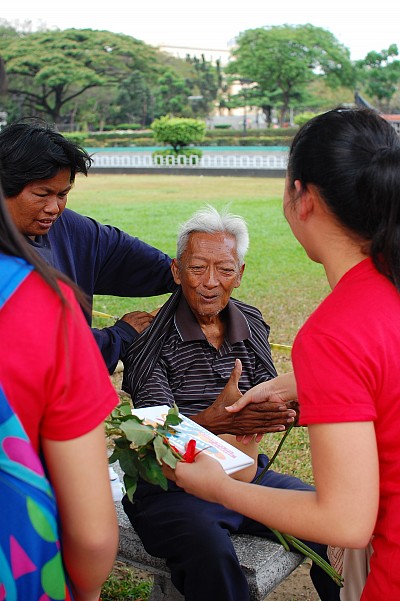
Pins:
x,y
194,537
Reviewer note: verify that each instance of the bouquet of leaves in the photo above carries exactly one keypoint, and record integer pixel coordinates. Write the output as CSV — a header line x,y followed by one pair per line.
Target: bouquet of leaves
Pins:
x,y
141,448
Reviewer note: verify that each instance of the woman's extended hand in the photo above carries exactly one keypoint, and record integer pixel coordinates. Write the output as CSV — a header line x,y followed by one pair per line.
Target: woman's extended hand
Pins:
x,y
281,389
203,478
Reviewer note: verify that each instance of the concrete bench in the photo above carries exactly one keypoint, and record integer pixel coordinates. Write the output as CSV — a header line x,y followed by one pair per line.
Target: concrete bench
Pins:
x,y
265,563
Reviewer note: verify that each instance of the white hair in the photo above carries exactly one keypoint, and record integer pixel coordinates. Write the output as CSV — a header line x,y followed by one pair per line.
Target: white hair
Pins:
x,y
209,221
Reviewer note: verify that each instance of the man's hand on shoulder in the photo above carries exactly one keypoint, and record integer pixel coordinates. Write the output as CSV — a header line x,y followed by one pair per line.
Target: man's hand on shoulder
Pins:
x,y
257,418
139,320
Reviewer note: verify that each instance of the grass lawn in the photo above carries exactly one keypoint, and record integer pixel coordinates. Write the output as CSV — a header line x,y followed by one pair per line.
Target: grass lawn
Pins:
x,y
279,278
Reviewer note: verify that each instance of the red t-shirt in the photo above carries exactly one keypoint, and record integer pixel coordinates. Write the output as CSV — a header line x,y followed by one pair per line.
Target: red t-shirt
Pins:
x,y
346,360
50,367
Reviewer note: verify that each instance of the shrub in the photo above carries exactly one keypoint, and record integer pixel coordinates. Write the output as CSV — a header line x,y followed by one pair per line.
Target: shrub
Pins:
x,y
187,152
142,142
302,118
270,141
232,141
128,126
178,131
222,126
78,138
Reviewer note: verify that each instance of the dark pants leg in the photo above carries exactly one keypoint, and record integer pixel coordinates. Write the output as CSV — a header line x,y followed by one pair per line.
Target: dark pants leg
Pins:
x,y
194,537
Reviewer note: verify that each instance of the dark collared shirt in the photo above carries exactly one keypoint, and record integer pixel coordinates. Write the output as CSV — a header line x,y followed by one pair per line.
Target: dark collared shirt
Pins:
x,y
191,372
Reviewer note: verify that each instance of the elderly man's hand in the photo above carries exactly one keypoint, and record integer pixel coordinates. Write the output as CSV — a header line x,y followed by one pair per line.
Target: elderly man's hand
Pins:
x,y
255,418
139,320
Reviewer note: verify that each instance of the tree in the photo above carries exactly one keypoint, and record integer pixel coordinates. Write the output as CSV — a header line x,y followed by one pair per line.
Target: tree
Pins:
x,y
135,100
178,132
171,94
283,60
205,84
380,74
50,69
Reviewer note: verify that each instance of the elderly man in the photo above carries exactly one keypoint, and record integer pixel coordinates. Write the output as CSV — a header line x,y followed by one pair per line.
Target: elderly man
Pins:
x,y
37,171
202,351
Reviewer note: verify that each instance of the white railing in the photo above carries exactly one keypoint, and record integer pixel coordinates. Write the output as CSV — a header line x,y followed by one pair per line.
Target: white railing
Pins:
x,y
217,161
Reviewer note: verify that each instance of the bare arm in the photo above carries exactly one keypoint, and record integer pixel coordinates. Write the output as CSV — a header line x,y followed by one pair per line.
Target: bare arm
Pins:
x,y
343,509
79,473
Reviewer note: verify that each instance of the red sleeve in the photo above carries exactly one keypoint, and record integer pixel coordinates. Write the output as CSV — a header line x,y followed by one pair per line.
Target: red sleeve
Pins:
x,y
79,390
50,367
334,383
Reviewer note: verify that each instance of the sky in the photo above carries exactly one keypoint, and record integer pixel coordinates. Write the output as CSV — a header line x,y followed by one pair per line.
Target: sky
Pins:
x,y
213,24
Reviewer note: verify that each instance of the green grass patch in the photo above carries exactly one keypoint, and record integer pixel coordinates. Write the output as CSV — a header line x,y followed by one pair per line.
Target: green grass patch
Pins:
x,y
124,584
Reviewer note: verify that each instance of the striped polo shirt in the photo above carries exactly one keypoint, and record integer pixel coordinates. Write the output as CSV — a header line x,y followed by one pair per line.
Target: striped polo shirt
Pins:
x,y
191,372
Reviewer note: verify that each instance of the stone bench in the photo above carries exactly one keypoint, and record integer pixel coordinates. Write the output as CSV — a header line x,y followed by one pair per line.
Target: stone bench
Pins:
x,y
265,563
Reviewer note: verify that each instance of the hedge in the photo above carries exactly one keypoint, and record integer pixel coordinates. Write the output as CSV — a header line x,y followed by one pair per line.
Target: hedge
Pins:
x,y
273,137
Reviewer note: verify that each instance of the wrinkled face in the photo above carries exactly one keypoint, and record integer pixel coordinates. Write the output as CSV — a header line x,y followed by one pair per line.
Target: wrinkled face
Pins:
x,y
208,271
37,206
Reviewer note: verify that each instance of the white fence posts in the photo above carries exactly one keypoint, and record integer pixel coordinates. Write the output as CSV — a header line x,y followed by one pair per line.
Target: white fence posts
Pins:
x,y
214,161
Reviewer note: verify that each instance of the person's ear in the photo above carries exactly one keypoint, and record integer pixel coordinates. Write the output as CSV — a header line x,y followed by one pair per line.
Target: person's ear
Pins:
x,y
175,271
298,186
305,199
239,276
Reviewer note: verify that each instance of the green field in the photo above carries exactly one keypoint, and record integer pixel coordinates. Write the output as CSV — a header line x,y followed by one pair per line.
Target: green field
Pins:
x,y
279,279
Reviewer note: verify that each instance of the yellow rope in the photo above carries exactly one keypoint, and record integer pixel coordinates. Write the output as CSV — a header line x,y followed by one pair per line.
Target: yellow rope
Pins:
x,y
280,347
101,314
274,347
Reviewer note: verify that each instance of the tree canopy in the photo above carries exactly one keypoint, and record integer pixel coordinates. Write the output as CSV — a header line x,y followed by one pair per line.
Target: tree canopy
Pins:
x,y
98,79
49,69
283,60
379,72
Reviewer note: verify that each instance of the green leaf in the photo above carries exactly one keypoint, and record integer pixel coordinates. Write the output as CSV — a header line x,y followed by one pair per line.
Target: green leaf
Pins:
x,y
150,471
114,455
122,442
174,410
170,458
137,432
130,486
165,453
128,464
125,408
172,420
160,448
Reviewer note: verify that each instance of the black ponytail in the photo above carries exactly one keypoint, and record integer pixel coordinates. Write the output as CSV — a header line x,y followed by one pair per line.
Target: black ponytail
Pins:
x,y
353,157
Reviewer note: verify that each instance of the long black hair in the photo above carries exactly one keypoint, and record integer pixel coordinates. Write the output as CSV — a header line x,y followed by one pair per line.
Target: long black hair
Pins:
x,y
352,156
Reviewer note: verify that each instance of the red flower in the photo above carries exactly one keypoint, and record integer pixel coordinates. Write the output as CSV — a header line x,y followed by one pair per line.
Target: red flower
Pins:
x,y
190,452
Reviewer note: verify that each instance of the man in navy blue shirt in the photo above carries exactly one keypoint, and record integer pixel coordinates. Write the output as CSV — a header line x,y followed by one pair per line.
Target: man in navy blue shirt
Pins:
x,y
37,170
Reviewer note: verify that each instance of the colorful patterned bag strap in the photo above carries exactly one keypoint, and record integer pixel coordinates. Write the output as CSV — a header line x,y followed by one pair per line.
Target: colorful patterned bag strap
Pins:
x,y
13,271
31,565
